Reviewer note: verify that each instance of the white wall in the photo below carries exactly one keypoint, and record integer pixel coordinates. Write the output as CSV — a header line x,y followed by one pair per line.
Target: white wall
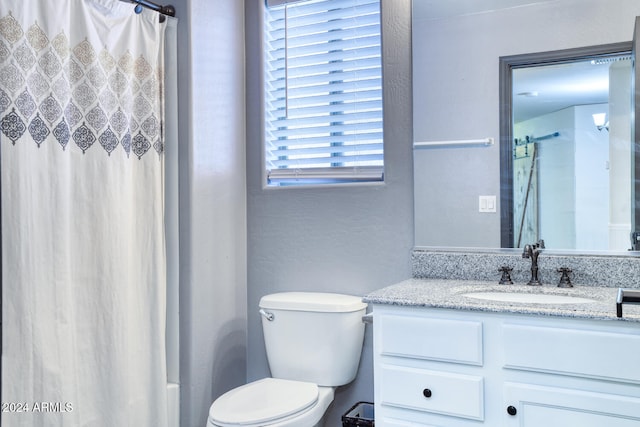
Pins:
x,y
351,239
592,180
620,159
456,92
213,329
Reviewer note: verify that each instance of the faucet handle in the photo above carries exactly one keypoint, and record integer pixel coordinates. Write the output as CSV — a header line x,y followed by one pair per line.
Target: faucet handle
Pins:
x,y
506,277
565,281
540,244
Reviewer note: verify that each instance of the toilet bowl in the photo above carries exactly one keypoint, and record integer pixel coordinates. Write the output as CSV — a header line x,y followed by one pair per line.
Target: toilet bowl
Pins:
x,y
271,402
313,343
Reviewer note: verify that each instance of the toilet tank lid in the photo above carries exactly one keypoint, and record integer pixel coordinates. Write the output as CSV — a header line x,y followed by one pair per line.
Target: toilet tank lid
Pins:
x,y
312,301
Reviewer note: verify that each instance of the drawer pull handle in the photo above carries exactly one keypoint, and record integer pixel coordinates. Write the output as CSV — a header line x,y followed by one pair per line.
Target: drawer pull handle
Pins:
x,y
511,410
426,393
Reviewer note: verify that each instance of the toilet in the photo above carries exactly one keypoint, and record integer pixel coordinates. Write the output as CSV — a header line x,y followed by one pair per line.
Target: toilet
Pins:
x,y
313,342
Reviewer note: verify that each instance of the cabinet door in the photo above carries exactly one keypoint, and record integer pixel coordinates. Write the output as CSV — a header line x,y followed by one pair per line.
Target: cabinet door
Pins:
x,y
389,422
532,406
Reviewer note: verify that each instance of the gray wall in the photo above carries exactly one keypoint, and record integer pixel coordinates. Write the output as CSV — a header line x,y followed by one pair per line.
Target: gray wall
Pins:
x,y
351,239
456,97
347,239
212,203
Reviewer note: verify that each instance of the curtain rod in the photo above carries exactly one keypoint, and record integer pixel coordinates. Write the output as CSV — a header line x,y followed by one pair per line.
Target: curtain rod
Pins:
x,y
168,10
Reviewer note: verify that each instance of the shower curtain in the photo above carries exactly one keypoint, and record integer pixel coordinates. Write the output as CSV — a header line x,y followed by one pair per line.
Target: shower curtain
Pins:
x,y
82,180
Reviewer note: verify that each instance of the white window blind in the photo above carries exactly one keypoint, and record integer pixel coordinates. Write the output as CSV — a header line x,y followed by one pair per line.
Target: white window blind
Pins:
x,y
323,92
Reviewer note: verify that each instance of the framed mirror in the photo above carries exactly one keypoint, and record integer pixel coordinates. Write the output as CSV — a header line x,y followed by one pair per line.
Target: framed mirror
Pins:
x,y
457,47
566,154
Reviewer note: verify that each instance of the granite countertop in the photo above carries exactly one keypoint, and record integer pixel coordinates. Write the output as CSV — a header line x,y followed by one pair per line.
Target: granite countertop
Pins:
x,y
440,293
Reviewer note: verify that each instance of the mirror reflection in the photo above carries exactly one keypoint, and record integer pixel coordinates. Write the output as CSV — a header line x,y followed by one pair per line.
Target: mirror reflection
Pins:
x,y
458,95
572,154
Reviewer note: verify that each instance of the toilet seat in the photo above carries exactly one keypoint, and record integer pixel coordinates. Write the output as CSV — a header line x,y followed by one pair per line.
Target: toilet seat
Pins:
x,y
263,401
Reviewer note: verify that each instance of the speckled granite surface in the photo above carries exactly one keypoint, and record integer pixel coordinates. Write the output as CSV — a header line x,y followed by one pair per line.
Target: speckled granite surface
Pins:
x,y
439,293
603,271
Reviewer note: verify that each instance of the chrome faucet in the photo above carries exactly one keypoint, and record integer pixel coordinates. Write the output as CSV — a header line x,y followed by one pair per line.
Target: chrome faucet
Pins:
x,y
532,251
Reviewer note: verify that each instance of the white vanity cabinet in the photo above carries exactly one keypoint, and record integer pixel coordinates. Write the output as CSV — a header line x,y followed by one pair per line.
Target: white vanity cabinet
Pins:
x,y
444,367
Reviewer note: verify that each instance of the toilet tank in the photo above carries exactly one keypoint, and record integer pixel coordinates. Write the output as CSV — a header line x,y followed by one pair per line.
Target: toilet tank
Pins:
x,y
315,337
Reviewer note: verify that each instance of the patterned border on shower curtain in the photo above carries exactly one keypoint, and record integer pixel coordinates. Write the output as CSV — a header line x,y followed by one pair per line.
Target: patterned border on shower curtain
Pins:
x,y
54,92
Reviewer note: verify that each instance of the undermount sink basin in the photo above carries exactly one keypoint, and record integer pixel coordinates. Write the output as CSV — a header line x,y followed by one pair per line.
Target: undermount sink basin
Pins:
x,y
528,298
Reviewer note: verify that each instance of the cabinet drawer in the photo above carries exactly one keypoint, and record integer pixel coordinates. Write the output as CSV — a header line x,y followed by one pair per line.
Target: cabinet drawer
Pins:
x,y
457,341
583,353
449,394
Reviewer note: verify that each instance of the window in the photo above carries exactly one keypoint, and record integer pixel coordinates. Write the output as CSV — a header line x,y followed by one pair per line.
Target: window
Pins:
x,y
323,92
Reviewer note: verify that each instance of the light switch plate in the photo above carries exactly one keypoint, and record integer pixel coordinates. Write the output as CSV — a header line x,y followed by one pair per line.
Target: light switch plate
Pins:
x,y
487,204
